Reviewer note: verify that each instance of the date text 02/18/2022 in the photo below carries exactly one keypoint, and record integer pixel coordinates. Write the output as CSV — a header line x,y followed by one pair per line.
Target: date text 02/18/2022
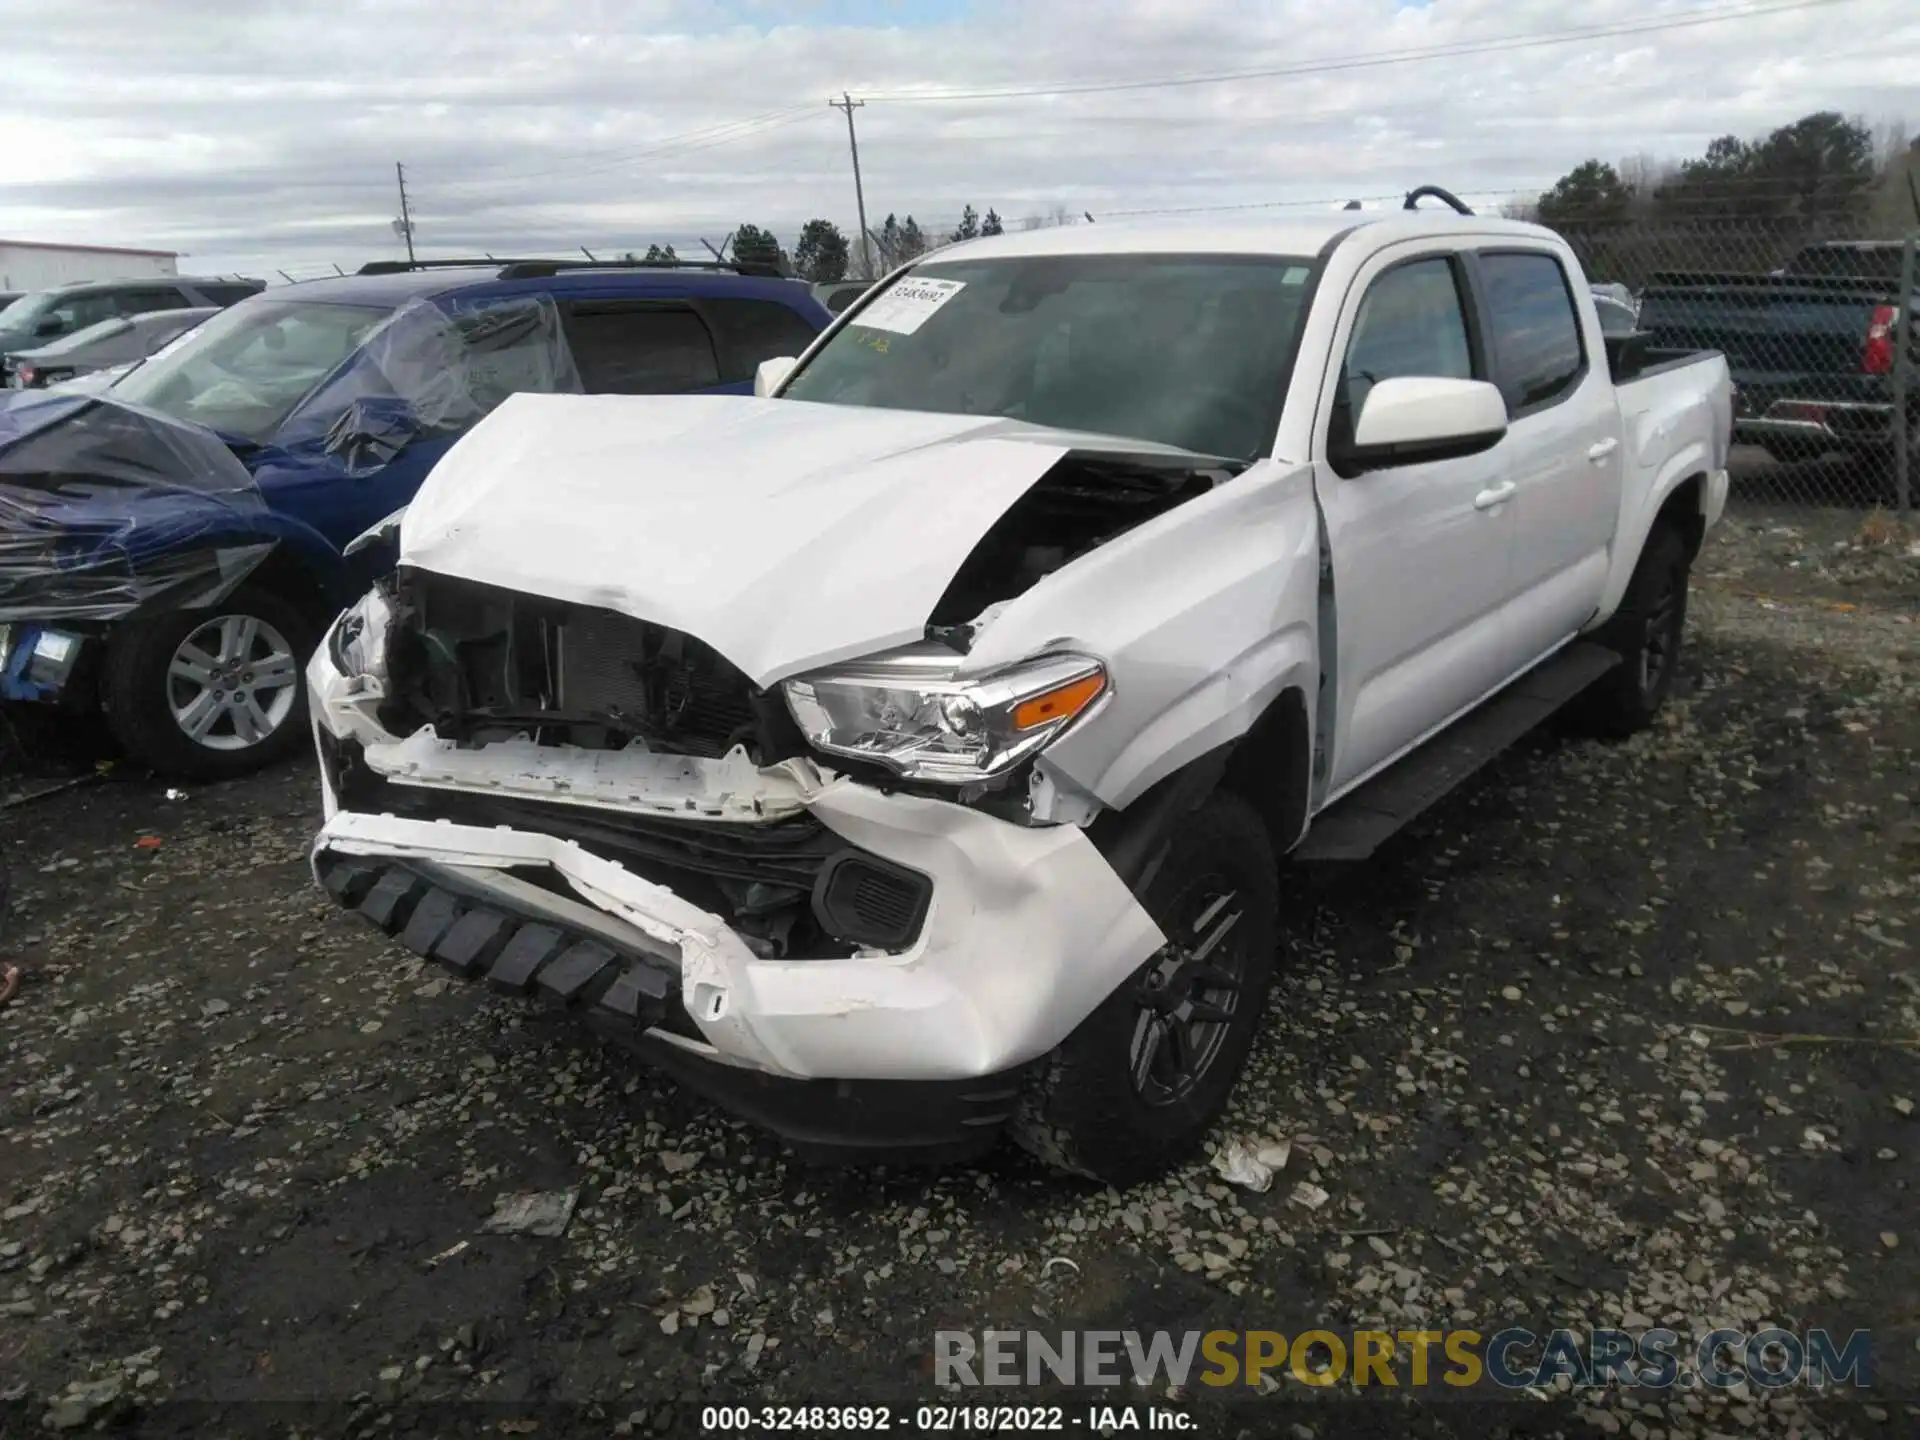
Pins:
x,y
940,1419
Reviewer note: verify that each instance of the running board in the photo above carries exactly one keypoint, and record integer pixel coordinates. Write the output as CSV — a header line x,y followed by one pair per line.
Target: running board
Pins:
x,y
1358,823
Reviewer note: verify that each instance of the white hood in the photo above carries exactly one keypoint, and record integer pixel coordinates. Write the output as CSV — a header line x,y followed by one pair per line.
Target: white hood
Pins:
x,y
784,534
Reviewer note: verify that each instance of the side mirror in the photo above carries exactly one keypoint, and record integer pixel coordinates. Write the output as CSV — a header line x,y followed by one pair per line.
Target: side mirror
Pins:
x,y
1414,419
381,532
772,373
51,325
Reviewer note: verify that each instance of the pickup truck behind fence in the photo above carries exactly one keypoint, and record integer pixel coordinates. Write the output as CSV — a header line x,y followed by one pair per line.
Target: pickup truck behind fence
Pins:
x,y
1810,348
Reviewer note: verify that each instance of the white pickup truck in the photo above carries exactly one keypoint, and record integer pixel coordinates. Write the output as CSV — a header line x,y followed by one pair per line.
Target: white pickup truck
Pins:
x,y
907,753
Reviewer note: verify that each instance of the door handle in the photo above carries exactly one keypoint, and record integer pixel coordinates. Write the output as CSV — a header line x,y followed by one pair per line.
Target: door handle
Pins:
x,y
1493,496
1603,450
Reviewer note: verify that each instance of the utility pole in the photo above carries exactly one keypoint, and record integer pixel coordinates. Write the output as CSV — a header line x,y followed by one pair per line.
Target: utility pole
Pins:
x,y
406,216
847,103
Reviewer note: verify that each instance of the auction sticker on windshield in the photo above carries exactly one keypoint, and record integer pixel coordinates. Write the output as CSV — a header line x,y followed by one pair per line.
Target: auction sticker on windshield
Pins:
x,y
908,305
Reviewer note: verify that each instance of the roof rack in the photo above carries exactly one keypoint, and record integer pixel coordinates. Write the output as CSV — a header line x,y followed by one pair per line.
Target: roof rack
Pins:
x,y
1421,192
401,267
541,269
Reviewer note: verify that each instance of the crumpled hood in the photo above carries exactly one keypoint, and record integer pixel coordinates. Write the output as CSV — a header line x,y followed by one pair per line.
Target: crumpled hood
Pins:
x,y
784,534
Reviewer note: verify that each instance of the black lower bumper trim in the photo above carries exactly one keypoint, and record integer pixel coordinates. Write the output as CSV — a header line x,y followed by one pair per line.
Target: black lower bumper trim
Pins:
x,y
628,996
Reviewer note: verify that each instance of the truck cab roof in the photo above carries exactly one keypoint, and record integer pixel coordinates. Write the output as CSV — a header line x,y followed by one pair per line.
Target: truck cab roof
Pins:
x,y
1293,235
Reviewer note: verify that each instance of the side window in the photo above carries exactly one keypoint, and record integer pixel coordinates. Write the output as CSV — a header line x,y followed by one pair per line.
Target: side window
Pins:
x,y
79,311
629,348
157,297
227,294
1410,323
756,330
1536,332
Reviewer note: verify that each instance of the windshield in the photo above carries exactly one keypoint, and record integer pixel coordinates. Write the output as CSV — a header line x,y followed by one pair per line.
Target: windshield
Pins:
x,y
1183,350
244,370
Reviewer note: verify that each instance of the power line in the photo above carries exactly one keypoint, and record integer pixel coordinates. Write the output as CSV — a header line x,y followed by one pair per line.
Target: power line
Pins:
x,y
847,103
694,140
1710,16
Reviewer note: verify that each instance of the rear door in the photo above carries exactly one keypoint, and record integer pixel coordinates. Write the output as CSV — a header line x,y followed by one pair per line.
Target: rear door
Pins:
x,y
1421,552
640,347
697,344
1562,449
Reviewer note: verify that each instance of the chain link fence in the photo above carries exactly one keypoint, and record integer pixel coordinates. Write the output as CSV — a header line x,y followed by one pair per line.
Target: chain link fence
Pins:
x,y
1809,314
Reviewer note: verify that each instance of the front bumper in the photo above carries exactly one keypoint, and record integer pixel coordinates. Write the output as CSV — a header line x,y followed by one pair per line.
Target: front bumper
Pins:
x,y
1027,929
631,997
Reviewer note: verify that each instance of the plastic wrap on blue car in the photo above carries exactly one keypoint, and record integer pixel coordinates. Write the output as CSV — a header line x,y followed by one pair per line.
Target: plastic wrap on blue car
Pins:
x,y
434,369
106,507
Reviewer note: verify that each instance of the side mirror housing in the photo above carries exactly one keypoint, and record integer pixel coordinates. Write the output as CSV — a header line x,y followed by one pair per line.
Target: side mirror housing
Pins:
x,y
772,374
380,533
1415,419
50,325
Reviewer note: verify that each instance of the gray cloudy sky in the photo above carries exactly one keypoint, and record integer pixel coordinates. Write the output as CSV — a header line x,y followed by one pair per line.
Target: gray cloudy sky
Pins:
x,y
261,134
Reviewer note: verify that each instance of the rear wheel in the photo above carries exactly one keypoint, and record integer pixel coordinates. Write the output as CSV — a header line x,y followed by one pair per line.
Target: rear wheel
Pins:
x,y
1646,631
1135,1088
211,693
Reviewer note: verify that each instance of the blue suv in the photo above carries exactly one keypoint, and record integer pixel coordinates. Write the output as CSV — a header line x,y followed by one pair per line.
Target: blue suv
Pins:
x,y
173,547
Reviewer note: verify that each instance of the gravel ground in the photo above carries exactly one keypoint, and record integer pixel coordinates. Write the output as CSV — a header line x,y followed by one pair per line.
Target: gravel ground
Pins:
x,y
1619,1035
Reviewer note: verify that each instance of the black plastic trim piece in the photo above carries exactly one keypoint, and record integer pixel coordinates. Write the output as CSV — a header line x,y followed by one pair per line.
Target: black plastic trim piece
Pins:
x,y
837,910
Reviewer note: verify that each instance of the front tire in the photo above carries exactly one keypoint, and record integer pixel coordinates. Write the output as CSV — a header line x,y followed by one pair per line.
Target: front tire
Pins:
x,y
209,694
1647,632
1135,1088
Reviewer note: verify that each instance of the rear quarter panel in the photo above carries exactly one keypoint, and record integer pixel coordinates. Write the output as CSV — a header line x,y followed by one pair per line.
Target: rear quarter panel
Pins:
x,y
1675,423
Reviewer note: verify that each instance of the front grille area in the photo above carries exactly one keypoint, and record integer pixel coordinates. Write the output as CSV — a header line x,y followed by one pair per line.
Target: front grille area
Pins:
x,y
478,662
790,887
682,691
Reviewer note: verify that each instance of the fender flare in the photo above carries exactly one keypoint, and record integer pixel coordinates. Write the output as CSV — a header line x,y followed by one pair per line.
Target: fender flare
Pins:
x,y
1691,465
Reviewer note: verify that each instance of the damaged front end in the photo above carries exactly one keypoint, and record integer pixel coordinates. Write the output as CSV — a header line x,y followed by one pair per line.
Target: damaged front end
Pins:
x,y
591,808
637,741
849,875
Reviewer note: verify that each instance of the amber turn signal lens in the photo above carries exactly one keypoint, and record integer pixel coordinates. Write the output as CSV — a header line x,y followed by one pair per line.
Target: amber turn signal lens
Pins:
x,y
1068,700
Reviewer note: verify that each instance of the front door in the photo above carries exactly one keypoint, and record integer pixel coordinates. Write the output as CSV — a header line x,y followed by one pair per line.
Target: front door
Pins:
x,y
1421,553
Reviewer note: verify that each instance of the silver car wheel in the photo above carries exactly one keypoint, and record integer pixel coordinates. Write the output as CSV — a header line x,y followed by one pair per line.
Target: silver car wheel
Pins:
x,y
232,683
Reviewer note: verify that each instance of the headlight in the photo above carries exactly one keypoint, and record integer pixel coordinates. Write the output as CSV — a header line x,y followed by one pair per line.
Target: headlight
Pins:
x,y
907,711
358,641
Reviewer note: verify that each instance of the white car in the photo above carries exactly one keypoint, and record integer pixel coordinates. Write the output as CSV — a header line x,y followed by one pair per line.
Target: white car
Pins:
x,y
908,753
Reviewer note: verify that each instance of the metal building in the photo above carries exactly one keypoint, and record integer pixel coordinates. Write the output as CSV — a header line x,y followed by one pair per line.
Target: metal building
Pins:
x,y
27,265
